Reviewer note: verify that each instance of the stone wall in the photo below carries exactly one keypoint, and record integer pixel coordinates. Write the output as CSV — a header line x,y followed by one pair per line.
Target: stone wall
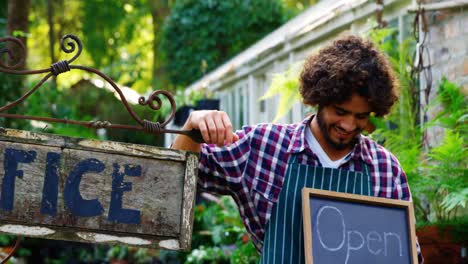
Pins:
x,y
448,50
448,44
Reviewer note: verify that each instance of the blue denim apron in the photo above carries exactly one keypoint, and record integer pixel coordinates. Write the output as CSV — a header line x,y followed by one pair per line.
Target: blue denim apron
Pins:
x,y
284,236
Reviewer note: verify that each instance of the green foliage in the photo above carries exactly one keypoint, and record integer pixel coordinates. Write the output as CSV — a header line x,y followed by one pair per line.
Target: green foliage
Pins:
x,y
286,85
399,131
207,255
11,88
446,177
219,235
445,170
454,199
405,113
66,20
119,39
48,101
102,22
297,6
199,35
135,255
437,175
9,241
454,113
457,228
3,16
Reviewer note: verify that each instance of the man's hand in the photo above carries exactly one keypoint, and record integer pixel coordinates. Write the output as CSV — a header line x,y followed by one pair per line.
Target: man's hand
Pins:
x,y
215,127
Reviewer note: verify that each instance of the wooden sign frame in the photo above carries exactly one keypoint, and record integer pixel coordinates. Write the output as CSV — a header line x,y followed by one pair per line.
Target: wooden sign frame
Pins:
x,y
157,184
307,193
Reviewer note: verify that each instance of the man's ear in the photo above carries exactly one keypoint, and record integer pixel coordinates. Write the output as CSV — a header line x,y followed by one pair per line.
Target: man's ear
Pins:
x,y
370,127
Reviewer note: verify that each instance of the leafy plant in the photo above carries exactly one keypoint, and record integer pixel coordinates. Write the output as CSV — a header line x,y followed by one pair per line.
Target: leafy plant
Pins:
x,y
454,111
400,131
454,199
286,85
445,167
219,235
446,174
436,175
9,241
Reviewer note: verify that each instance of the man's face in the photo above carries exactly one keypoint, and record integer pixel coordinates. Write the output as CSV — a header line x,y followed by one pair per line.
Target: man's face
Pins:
x,y
341,124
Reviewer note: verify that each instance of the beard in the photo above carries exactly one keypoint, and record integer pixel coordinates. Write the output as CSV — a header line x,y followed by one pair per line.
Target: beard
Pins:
x,y
326,135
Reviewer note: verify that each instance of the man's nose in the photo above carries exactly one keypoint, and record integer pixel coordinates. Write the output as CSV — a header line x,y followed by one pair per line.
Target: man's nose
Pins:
x,y
348,123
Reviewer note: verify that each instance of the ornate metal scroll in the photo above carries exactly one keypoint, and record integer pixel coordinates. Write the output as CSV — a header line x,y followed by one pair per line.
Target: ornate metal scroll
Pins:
x,y
69,44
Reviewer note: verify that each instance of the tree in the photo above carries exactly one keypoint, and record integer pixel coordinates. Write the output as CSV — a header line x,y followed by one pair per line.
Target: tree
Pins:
x,y
159,11
101,25
200,35
16,14
118,36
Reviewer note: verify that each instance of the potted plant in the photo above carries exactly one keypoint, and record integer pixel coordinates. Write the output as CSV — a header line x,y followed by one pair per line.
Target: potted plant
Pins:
x,y
443,182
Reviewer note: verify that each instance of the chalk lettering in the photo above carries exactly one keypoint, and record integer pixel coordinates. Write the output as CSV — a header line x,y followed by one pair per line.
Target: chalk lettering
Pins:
x,y
350,246
355,240
12,158
72,196
51,183
373,236
397,237
319,214
116,212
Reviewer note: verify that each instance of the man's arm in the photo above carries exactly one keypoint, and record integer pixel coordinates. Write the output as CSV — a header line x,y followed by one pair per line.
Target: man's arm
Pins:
x,y
215,127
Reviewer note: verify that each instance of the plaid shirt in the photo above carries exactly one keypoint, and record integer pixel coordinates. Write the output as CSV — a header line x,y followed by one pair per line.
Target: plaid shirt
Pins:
x,y
252,169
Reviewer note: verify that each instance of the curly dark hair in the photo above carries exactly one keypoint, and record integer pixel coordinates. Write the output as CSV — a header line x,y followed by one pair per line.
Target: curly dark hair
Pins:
x,y
350,65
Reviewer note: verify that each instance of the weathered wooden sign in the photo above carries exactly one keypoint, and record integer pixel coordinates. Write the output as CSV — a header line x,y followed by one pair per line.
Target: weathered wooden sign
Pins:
x,y
96,191
348,228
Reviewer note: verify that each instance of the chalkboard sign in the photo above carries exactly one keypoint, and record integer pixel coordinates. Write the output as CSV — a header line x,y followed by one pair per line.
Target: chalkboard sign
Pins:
x,y
348,228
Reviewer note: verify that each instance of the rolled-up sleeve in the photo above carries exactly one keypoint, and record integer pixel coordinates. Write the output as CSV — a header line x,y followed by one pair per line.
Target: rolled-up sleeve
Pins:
x,y
221,168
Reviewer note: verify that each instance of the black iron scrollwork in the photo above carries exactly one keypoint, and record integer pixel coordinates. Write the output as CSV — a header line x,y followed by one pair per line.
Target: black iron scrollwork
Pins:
x,y
19,58
70,44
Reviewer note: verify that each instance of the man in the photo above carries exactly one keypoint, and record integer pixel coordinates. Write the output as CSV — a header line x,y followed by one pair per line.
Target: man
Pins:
x,y
264,167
